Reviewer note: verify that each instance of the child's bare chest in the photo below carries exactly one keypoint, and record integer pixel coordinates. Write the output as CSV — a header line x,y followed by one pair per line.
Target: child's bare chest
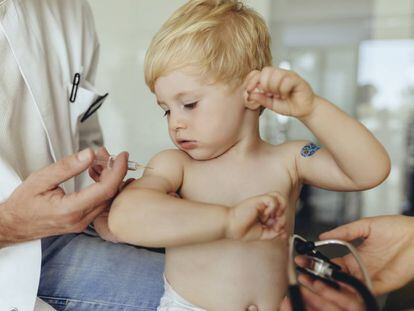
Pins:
x,y
231,183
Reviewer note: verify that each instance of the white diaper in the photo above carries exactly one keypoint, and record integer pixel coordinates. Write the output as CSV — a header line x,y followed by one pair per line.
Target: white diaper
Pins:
x,y
172,301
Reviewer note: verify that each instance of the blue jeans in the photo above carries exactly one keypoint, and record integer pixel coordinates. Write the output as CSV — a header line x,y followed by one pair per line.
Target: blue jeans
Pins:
x,y
82,272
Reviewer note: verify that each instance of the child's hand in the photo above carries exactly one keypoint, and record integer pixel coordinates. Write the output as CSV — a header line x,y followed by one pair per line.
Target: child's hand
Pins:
x,y
282,91
258,218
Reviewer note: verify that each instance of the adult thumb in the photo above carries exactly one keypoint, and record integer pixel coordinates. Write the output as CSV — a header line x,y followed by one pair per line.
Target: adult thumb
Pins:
x,y
348,232
51,176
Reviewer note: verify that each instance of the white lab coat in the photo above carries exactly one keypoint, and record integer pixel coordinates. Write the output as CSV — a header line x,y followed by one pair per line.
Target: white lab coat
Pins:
x,y
51,40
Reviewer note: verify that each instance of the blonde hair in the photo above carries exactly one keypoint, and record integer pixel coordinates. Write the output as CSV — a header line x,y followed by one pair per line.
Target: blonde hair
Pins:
x,y
222,38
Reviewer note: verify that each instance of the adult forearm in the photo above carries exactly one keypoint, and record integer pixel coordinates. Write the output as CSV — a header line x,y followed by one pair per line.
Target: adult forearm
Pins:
x,y
13,228
356,151
150,218
6,235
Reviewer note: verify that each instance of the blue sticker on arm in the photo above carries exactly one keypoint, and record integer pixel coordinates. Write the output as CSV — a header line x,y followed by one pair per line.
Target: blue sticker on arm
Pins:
x,y
309,150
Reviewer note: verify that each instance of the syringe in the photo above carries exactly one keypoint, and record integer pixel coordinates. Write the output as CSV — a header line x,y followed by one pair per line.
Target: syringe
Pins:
x,y
132,165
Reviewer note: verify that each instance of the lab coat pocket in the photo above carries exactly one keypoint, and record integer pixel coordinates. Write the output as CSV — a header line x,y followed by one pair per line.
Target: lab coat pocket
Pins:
x,y
86,102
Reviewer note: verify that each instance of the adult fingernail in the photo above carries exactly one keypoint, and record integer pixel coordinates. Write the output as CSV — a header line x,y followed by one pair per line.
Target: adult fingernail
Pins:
x,y
84,155
123,153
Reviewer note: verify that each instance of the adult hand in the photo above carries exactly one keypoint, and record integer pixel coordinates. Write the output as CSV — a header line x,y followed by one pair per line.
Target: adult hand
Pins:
x,y
39,207
98,172
318,296
387,250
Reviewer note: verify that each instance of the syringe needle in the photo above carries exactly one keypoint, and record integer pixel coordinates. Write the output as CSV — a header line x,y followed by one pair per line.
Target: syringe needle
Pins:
x,y
132,165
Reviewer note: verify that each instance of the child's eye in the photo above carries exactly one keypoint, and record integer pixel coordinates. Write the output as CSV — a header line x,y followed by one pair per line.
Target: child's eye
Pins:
x,y
166,113
191,105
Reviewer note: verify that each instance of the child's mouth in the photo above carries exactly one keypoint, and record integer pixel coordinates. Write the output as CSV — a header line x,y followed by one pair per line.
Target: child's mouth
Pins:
x,y
187,144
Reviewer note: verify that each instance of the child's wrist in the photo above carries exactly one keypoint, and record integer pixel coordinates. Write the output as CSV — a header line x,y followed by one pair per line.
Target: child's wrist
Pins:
x,y
316,103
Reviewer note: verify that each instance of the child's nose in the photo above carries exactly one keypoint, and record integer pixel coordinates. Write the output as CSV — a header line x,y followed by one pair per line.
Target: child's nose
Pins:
x,y
177,122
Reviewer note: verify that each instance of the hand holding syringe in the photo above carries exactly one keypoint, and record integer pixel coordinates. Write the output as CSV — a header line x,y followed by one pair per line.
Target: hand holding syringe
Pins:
x,y
108,162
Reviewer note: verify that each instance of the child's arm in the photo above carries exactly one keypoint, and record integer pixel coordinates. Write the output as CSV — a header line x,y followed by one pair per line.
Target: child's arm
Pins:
x,y
352,159
145,214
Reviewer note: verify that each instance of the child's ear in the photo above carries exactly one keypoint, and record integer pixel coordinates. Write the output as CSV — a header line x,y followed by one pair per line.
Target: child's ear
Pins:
x,y
250,104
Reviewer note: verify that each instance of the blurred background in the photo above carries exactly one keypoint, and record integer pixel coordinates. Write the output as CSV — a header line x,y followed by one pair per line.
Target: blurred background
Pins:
x,y
358,54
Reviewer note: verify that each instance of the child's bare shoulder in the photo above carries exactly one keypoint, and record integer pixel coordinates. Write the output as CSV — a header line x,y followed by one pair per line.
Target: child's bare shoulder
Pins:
x,y
164,171
170,161
174,155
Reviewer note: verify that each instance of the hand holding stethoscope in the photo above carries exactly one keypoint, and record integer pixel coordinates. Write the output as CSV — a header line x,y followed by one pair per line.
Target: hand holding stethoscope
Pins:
x,y
387,250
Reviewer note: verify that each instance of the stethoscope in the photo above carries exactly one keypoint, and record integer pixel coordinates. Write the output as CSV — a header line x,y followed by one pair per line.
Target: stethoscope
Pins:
x,y
320,267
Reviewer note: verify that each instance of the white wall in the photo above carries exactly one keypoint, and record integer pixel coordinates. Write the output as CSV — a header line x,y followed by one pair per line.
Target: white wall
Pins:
x,y
130,118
